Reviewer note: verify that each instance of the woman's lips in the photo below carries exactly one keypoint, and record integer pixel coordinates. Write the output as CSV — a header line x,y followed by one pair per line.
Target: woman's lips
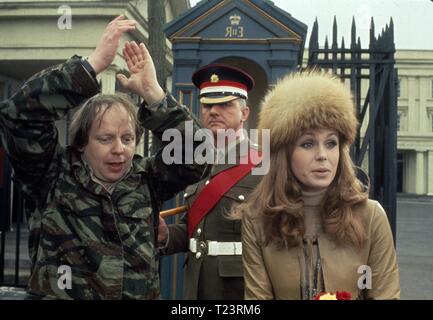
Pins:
x,y
321,172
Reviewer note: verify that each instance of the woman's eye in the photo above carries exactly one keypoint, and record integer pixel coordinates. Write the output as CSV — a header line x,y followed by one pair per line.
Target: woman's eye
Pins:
x,y
332,144
307,145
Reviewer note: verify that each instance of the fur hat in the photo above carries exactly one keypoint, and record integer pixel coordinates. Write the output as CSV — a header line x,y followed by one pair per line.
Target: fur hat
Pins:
x,y
308,100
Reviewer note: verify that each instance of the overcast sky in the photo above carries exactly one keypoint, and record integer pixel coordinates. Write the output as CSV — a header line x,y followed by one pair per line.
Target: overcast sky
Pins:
x,y
413,19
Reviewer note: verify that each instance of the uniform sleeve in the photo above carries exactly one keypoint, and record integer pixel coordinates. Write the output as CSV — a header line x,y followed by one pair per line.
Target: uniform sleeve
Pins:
x,y
178,238
27,129
257,282
170,178
382,259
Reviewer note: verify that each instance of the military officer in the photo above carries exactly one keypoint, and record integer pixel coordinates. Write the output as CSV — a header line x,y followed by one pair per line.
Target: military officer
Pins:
x,y
213,268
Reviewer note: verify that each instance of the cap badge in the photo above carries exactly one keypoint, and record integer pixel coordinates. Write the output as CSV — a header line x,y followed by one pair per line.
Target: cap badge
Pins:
x,y
214,78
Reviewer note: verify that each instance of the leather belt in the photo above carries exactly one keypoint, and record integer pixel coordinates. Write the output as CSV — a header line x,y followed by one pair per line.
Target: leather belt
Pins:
x,y
215,248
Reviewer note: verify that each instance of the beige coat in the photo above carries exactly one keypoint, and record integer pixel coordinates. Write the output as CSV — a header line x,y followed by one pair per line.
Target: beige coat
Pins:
x,y
272,273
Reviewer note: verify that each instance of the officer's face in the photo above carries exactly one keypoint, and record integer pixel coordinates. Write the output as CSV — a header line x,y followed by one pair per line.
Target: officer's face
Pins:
x,y
111,145
224,116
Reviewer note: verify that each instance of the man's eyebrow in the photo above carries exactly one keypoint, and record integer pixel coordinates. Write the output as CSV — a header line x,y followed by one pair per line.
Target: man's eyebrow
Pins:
x,y
103,134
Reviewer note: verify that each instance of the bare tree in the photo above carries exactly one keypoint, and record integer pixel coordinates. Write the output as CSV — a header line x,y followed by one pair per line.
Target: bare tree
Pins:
x,y
157,49
157,40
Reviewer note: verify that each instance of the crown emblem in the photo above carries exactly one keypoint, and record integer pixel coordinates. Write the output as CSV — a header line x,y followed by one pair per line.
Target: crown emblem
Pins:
x,y
235,19
214,78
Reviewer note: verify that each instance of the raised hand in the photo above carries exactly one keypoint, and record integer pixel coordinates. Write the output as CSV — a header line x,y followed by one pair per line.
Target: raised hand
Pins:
x,y
106,48
142,80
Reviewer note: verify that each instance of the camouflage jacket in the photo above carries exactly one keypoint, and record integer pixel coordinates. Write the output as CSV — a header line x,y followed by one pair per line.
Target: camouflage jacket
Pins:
x,y
105,240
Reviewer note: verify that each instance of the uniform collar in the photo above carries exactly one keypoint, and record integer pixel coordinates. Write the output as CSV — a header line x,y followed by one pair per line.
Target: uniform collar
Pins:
x,y
241,148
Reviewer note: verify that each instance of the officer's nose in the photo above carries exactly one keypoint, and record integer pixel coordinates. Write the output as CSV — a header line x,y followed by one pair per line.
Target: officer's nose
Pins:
x,y
213,108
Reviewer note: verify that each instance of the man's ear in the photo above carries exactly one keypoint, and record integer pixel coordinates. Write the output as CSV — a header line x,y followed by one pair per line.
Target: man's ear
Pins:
x,y
245,113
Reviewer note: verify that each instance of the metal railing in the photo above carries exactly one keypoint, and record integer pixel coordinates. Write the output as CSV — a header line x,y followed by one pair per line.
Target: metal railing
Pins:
x,y
14,258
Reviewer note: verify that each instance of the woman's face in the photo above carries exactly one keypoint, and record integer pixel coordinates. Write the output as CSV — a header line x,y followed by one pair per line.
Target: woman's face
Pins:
x,y
315,159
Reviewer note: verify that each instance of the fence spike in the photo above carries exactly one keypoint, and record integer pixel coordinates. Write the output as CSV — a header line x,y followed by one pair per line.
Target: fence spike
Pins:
x,y
391,32
314,44
353,33
334,33
372,36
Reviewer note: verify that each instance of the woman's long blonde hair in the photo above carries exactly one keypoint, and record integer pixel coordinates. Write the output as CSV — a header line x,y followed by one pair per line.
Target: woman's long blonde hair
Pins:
x,y
298,103
277,202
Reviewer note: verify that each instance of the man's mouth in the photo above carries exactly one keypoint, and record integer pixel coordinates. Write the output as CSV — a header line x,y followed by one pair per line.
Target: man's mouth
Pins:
x,y
215,122
115,166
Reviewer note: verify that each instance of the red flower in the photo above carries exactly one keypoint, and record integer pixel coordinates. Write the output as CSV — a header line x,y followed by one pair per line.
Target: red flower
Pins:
x,y
343,295
339,295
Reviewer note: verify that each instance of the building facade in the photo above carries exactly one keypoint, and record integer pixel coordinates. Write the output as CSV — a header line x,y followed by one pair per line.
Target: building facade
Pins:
x,y
415,121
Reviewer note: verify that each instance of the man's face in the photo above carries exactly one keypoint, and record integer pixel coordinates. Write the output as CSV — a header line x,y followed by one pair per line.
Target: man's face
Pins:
x,y
111,145
227,115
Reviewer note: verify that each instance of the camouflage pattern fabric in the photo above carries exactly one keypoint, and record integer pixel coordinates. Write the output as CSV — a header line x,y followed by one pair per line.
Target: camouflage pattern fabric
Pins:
x,y
106,239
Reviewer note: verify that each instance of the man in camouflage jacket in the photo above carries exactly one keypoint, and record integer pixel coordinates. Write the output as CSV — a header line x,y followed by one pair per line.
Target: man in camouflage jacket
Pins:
x,y
101,235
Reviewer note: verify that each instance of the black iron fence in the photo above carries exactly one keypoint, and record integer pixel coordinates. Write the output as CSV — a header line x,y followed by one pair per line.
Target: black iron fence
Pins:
x,y
14,258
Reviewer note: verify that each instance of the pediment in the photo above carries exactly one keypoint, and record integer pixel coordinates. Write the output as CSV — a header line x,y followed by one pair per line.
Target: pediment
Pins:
x,y
236,19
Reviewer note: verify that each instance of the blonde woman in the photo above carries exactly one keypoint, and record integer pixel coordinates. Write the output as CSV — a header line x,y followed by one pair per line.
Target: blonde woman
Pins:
x,y
309,226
